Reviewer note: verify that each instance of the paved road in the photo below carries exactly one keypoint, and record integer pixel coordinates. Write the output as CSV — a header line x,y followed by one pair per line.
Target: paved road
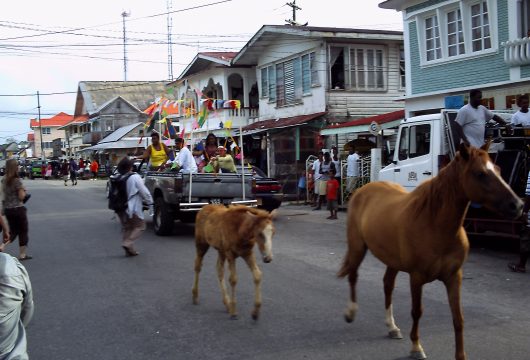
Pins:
x,y
93,303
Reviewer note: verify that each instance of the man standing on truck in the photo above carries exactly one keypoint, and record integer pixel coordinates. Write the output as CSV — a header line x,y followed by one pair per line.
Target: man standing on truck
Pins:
x,y
472,119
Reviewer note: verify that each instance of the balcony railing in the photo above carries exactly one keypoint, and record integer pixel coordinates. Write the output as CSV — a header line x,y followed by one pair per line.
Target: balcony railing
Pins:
x,y
517,52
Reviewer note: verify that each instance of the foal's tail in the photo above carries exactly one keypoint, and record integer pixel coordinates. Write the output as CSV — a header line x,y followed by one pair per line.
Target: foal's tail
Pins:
x,y
347,265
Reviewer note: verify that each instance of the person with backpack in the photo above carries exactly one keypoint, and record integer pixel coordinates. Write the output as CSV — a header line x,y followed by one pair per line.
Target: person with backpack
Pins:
x,y
126,198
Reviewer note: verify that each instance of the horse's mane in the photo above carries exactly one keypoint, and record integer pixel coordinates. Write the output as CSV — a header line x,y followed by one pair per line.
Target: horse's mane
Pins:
x,y
432,195
254,211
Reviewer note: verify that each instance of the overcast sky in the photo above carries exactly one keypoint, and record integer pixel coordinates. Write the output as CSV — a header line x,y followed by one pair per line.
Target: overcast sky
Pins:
x,y
37,55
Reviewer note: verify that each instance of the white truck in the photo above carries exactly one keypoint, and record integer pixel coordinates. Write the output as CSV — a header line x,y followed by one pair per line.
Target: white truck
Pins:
x,y
426,143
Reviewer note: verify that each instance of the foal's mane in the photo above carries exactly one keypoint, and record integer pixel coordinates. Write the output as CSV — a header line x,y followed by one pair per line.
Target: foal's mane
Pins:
x,y
253,211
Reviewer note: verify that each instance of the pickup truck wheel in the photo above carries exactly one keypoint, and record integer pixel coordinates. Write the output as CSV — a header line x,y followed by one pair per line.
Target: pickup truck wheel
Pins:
x,y
163,219
188,217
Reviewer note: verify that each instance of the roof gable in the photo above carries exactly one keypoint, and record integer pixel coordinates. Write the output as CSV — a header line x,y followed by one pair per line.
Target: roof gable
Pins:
x,y
203,60
92,95
268,33
120,133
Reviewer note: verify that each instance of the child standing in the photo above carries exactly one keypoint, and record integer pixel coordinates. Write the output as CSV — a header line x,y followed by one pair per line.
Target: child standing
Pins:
x,y
332,188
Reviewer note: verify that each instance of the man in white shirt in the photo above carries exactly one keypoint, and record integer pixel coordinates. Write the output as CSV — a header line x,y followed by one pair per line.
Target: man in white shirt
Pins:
x,y
132,220
185,159
472,119
316,176
352,170
522,117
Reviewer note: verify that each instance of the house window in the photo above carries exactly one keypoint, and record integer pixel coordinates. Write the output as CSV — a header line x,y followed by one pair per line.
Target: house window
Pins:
x,y
455,33
306,74
315,81
524,11
402,67
46,130
264,83
480,28
433,47
336,62
367,69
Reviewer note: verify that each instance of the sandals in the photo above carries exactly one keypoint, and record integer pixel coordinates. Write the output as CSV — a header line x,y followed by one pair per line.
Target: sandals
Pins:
x,y
516,268
27,257
129,252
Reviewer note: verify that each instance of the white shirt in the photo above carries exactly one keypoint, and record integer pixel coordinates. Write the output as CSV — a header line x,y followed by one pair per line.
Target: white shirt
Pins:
x,y
352,166
16,307
137,194
473,122
316,169
521,118
337,167
186,161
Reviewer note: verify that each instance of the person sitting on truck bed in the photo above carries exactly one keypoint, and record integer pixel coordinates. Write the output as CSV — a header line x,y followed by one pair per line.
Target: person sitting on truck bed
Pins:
x,y
472,119
223,161
184,158
157,153
522,117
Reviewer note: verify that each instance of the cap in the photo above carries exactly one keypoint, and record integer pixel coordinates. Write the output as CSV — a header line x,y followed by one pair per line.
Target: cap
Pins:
x,y
221,147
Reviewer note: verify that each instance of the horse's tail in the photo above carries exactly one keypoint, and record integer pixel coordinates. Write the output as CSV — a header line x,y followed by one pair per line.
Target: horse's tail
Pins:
x,y
346,267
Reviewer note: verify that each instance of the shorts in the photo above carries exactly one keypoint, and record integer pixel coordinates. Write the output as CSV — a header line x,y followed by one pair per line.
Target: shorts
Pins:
x,y
17,220
315,187
351,183
332,205
322,187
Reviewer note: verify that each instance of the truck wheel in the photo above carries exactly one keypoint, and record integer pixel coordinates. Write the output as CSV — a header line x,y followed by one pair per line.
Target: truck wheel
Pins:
x,y
163,219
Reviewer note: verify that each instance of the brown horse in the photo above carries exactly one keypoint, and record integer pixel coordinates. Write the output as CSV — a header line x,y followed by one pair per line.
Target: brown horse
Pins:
x,y
421,233
233,231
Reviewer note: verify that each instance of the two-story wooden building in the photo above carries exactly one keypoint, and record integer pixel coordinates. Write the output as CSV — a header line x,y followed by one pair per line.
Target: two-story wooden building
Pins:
x,y
452,47
48,130
309,77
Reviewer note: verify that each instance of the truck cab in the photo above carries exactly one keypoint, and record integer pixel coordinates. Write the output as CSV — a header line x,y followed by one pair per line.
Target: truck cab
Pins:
x,y
421,150
426,143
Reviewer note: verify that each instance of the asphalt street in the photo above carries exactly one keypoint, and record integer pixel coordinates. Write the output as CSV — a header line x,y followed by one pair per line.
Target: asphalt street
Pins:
x,y
94,303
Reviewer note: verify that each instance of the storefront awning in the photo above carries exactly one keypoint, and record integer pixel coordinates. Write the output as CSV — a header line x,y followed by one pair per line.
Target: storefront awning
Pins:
x,y
280,123
386,121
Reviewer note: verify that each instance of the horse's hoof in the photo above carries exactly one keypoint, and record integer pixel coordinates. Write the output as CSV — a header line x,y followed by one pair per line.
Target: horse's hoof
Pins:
x,y
348,318
233,317
395,334
255,316
195,302
418,355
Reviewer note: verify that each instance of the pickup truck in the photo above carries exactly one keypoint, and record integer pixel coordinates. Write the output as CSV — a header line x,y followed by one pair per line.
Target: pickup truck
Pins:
x,y
426,143
181,196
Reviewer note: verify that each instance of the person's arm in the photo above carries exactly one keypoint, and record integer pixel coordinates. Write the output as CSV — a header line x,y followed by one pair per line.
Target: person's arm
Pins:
x,y
21,192
143,190
147,153
460,132
169,152
5,229
500,120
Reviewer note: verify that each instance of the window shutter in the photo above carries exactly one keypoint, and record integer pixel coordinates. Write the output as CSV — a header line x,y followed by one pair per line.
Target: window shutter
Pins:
x,y
306,74
314,70
264,83
298,92
272,83
280,85
288,68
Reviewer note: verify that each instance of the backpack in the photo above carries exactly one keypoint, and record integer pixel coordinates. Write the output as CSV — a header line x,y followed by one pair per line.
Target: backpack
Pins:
x,y
118,197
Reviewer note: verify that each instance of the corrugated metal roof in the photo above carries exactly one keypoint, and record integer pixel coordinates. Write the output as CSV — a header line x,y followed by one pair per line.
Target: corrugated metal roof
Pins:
x,y
139,93
119,133
282,122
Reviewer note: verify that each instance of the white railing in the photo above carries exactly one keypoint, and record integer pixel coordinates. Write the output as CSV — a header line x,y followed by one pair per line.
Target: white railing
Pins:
x,y
517,52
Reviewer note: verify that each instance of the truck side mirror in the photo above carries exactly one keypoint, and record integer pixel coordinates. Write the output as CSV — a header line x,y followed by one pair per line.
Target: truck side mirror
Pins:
x,y
394,162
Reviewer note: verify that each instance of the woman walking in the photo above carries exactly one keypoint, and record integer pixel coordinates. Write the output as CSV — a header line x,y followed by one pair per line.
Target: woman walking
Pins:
x,y
14,210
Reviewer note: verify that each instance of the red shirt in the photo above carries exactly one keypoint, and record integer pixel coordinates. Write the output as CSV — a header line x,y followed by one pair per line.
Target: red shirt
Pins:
x,y
332,189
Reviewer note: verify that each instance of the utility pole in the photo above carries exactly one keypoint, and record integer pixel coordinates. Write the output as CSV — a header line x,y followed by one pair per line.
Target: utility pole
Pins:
x,y
124,15
169,42
294,7
40,129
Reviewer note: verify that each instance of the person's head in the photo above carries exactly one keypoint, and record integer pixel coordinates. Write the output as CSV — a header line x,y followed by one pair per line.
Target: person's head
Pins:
x,y
211,139
221,150
334,150
475,97
125,165
327,157
320,155
155,138
179,143
523,102
11,170
332,172
351,151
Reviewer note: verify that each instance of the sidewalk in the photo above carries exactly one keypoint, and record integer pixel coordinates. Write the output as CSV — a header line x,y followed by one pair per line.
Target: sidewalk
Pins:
x,y
292,208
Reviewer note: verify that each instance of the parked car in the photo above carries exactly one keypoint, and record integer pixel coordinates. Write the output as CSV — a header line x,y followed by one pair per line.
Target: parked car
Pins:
x,y
267,191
